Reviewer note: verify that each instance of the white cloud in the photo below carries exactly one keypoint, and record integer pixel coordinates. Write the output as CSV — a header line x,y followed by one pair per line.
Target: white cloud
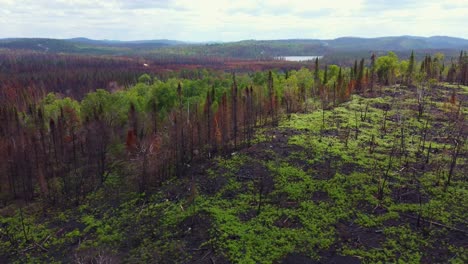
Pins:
x,y
231,20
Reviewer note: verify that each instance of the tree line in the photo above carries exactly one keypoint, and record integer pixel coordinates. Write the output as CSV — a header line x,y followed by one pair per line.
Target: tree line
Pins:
x,y
28,75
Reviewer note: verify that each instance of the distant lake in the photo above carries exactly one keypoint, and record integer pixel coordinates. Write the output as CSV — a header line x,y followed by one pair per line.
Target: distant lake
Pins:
x,y
298,58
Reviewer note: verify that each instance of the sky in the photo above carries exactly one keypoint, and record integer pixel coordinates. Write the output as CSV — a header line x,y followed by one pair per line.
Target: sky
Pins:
x,y
231,20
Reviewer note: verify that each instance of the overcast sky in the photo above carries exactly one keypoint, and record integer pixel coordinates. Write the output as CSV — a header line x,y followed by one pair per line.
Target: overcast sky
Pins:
x,y
230,20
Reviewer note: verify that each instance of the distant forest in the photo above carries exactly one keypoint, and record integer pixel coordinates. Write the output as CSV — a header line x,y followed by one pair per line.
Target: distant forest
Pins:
x,y
247,49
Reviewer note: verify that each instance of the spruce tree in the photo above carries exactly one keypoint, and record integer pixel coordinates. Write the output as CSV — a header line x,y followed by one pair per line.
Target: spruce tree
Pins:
x,y
360,76
409,72
354,70
372,76
325,76
316,72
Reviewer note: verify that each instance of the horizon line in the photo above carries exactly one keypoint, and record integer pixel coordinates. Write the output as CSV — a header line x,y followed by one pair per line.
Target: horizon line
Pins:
x,y
221,41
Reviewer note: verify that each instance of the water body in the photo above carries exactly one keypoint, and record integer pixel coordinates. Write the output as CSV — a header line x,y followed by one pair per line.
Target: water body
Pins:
x,y
298,58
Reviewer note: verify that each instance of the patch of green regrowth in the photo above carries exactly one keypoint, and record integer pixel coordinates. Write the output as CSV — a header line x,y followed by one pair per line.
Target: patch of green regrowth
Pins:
x,y
401,245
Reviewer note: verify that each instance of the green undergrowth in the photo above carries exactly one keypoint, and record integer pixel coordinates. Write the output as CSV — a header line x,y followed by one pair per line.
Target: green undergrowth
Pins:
x,y
359,180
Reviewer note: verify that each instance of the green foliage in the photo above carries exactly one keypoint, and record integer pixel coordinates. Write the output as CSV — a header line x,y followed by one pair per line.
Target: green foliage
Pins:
x,y
53,106
387,68
145,78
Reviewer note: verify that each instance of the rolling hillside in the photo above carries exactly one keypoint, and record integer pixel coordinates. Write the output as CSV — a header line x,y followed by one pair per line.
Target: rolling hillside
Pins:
x,y
247,49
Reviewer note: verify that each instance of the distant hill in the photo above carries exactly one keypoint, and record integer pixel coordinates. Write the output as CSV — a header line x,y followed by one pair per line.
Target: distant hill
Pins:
x,y
246,49
85,45
397,43
352,46
156,42
38,44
